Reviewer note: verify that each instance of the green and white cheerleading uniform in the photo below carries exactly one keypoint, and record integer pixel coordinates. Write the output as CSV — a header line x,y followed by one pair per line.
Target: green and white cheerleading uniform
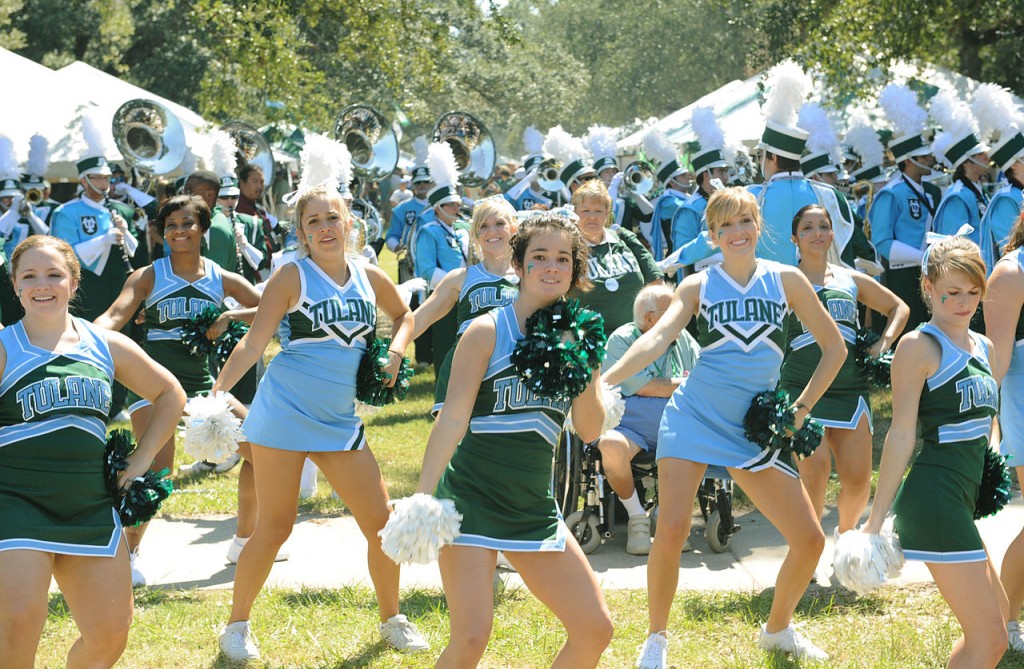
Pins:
x,y
172,302
481,291
500,474
847,400
53,412
935,505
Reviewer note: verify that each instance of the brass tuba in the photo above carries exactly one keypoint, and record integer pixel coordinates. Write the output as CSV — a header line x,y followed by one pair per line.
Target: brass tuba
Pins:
x,y
370,139
251,149
547,175
637,178
472,145
149,137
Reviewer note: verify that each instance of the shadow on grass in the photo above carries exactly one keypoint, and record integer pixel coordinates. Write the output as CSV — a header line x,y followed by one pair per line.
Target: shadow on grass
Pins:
x,y
398,418
754,608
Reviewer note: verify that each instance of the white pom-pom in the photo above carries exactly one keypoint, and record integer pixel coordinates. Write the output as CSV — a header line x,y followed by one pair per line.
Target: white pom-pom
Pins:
x,y
420,146
614,408
788,86
862,138
705,126
8,159
533,140
996,111
865,562
658,147
904,112
212,432
38,155
418,528
223,153
444,169
601,141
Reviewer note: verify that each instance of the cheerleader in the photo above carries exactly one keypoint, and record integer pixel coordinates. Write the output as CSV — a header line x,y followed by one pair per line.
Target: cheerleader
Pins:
x,y
326,307
173,289
942,381
1004,324
478,288
740,308
491,452
845,408
56,518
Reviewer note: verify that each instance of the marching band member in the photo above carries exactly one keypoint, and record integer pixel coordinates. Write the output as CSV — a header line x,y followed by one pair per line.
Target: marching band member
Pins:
x,y
674,174
528,194
1001,121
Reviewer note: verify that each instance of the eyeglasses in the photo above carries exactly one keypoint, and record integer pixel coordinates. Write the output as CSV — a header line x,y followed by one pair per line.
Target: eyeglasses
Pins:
x,y
227,197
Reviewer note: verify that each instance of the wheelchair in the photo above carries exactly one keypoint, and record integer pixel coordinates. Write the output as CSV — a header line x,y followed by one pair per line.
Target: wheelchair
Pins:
x,y
588,504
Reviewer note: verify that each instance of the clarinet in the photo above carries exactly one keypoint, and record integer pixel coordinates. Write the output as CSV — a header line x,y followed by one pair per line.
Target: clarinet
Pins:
x,y
124,252
238,249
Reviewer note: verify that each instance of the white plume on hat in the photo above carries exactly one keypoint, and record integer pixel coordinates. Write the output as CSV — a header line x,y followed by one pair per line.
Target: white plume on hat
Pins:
x,y
96,141
705,126
223,153
189,162
902,109
956,120
862,138
601,142
420,146
38,155
788,86
533,140
821,136
659,148
443,168
8,159
324,162
564,146
996,112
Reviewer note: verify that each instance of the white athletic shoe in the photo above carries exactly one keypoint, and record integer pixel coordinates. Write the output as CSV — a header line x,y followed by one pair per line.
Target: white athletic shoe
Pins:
x,y
653,652
200,467
402,635
792,642
638,535
138,578
235,550
1016,640
237,643
503,562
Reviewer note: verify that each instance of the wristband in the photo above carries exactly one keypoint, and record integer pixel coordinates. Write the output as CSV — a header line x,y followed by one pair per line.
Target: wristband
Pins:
x,y
390,353
801,405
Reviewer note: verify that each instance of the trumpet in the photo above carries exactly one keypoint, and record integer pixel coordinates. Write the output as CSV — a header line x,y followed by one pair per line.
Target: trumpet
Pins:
x,y
637,178
34,196
547,175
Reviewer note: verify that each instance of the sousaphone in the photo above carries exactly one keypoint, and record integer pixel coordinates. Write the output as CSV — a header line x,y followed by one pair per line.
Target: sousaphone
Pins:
x,y
251,149
370,139
472,145
149,137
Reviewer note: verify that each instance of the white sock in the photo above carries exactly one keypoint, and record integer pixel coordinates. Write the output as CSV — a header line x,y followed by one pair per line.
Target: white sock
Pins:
x,y
309,471
633,506
241,541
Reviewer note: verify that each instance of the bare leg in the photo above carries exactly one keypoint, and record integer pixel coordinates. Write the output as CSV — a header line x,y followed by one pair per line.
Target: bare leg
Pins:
x,y
852,450
1013,568
976,597
814,472
99,594
164,460
357,478
784,502
24,581
678,483
616,454
467,574
566,584
247,502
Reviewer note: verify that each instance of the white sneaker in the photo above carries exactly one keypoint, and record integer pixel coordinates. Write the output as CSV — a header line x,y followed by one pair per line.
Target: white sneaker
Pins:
x,y
792,642
653,652
638,535
235,550
503,562
1016,641
138,578
200,467
402,635
237,643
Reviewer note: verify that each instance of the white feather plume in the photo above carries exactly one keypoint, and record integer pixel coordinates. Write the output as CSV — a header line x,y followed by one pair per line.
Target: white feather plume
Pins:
x,y
96,141
942,142
658,147
444,170
344,158
212,432
705,126
564,146
862,138
322,161
788,86
601,142
821,137
952,114
420,146
189,162
533,140
201,148
907,116
8,159
38,155
996,112
223,153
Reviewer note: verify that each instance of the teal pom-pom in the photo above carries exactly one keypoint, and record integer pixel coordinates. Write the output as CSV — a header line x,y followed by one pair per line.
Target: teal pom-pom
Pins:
x,y
770,420
564,344
193,331
994,489
142,499
371,384
877,369
227,342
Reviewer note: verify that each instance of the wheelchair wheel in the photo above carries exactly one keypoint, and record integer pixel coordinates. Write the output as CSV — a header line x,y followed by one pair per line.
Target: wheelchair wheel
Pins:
x,y
586,534
718,536
566,474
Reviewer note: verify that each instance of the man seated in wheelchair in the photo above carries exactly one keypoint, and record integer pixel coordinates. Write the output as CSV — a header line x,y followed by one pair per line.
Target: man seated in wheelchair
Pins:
x,y
646,395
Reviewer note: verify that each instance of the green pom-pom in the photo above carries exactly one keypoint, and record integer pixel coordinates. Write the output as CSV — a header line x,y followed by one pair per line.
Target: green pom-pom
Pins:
x,y
193,331
227,342
142,499
564,344
769,424
877,369
371,384
807,439
994,489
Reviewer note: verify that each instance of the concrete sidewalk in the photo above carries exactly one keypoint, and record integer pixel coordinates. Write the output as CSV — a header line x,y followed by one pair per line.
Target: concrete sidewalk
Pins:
x,y
331,552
